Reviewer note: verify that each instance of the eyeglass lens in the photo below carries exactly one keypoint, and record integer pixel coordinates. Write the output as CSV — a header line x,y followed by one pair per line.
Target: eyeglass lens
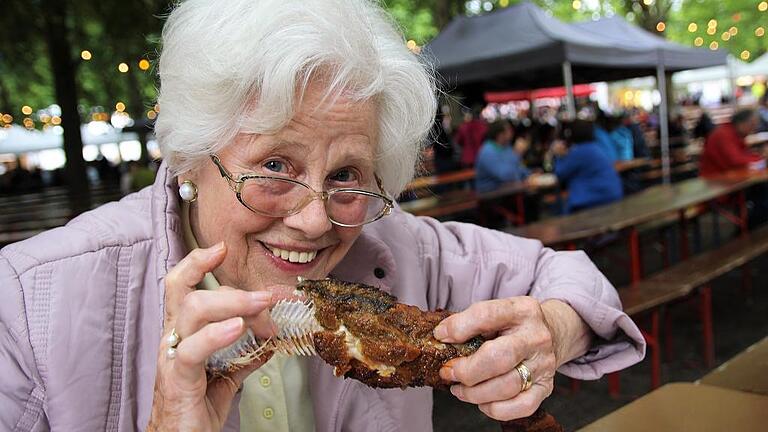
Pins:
x,y
276,197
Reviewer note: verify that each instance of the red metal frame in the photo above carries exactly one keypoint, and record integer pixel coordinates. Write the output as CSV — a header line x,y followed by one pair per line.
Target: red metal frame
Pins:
x,y
705,310
636,265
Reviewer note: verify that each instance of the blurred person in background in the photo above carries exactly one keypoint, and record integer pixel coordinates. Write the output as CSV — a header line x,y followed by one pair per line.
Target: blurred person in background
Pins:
x,y
602,136
583,168
622,138
762,111
725,148
470,136
499,162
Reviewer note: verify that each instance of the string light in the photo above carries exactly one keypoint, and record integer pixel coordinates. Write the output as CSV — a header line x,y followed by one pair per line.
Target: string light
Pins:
x,y
151,114
576,4
699,41
648,2
762,7
713,46
692,27
503,3
733,31
725,36
55,120
119,107
143,64
759,32
122,67
745,55
26,110
85,55
711,30
660,26
411,44
7,118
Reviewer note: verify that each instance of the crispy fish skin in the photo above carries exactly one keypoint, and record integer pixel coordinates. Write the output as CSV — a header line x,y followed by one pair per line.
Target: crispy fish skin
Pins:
x,y
394,340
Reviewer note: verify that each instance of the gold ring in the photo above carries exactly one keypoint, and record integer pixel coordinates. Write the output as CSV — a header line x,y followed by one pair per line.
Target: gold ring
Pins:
x,y
526,377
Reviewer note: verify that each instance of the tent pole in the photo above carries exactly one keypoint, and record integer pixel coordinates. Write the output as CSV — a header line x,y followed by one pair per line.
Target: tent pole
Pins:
x,y
661,84
570,102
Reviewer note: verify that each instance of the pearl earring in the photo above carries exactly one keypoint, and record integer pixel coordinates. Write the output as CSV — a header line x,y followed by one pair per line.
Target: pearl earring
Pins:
x,y
188,191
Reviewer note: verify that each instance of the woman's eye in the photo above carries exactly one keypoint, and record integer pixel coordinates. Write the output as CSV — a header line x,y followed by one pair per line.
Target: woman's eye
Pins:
x,y
344,176
275,166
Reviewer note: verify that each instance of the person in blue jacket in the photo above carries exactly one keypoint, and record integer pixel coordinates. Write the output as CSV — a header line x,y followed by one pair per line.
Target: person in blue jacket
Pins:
x,y
582,166
498,162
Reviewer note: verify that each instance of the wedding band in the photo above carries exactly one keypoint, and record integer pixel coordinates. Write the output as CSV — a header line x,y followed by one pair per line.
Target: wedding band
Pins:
x,y
173,341
526,377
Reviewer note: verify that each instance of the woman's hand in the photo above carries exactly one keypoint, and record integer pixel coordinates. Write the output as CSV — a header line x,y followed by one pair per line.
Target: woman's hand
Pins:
x,y
543,336
205,321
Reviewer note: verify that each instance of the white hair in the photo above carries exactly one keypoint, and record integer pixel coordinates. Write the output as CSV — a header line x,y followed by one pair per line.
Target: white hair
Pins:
x,y
242,65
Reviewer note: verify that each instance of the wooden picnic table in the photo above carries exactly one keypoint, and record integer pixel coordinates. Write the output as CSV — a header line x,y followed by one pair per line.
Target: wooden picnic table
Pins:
x,y
746,372
688,407
642,207
626,165
756,139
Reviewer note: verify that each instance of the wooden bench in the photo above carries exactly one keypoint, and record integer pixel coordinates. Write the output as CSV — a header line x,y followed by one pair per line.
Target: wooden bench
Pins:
x,y
426,203
682,280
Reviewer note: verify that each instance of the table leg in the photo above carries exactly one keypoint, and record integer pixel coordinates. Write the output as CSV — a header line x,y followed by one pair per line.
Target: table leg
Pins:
x,y
684,252
636,269
705,308
743,214
520,203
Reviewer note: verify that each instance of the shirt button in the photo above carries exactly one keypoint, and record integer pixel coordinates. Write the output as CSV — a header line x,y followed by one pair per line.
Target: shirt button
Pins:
x,y
379,273
265,381
268,413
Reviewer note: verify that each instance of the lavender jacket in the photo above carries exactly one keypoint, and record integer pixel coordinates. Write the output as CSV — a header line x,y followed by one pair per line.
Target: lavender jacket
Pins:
x,y
82,308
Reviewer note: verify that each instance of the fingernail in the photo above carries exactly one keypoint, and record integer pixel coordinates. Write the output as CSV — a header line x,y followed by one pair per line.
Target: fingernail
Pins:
x,y
440,332
233,324
261,296
456,391
218,247
447,374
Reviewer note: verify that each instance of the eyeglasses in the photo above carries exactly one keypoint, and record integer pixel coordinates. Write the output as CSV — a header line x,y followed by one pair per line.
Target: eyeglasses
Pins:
x,y
275,196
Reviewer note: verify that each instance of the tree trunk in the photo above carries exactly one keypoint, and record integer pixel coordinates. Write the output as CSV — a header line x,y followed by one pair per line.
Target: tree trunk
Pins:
x,y
137,111
66,94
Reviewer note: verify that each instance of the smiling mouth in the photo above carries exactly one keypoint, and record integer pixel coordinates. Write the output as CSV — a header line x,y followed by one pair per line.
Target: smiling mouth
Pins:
x,y
295,257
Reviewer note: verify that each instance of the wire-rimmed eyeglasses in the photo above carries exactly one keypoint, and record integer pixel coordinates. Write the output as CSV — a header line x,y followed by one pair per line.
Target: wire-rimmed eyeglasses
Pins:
x,y
276,196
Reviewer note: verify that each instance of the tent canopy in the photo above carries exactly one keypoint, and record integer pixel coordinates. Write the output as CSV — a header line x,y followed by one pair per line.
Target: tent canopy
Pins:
x,y
521,47
738,68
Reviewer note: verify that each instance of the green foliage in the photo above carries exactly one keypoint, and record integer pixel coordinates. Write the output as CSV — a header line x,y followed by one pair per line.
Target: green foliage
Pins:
x,y
116,31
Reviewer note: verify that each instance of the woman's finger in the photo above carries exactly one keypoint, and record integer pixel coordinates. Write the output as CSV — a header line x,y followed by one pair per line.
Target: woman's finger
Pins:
x,y
523,405
495,389
193,351
202,307
494,358
222,390
182,278
485,317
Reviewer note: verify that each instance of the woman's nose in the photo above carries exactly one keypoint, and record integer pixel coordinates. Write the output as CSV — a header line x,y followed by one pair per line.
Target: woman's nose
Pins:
x,y
312,220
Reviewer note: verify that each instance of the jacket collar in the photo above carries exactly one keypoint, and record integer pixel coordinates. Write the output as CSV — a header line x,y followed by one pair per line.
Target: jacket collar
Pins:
x,y
166,217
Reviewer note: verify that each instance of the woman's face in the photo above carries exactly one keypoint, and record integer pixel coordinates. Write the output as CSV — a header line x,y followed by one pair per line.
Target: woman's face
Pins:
x,y
325,145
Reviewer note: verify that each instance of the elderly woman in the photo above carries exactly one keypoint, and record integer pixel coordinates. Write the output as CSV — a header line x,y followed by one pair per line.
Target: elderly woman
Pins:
x,y
287,127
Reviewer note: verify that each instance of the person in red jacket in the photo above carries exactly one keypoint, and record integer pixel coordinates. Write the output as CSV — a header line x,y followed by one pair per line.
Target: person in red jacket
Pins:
x,y
470,137
725,149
